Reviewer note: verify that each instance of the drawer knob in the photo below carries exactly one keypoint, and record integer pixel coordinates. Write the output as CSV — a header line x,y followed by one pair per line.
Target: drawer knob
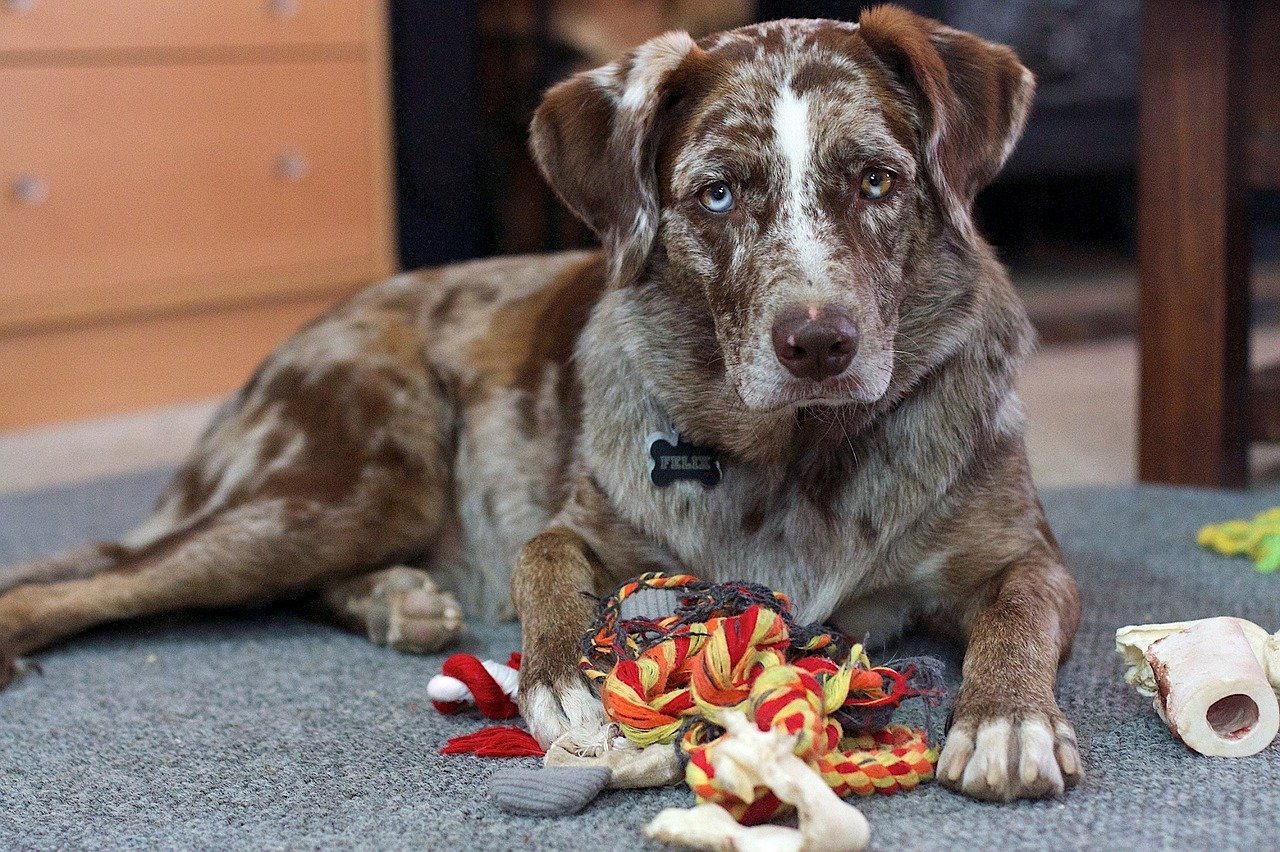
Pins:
x,y
20,6
30,189
281,8
292,166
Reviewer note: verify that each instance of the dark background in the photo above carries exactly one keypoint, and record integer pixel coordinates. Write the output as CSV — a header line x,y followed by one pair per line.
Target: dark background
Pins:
x,y
468,74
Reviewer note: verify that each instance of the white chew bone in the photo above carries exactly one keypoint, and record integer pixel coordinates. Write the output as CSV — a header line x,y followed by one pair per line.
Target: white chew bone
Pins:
x,y
712,827
1209,681
1132,643
445,688
749,758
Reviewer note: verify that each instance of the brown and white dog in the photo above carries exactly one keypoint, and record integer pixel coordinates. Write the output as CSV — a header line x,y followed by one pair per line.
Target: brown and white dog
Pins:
x,y
791,279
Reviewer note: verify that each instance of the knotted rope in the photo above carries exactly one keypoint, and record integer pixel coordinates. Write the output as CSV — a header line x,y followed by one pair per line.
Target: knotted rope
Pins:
x,y
736,646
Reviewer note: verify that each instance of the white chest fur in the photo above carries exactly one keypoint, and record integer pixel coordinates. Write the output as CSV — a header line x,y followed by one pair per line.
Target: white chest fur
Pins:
x,y
757,525
751,528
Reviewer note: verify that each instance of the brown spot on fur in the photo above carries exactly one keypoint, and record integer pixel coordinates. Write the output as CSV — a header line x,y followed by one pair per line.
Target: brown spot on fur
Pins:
x,y
274,444
112,550
442,311
337,409
193,490
736,50
460,301
753,519
332,417
542,328
815,76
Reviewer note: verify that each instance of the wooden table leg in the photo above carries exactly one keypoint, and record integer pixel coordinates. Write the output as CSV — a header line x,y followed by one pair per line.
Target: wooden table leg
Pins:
x,y
1193,244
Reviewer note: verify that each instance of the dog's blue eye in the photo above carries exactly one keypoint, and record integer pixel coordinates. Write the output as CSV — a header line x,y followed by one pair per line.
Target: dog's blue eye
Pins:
x,y
717,197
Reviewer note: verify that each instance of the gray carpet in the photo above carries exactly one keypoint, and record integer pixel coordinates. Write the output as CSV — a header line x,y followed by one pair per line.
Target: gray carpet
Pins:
x,y
258,730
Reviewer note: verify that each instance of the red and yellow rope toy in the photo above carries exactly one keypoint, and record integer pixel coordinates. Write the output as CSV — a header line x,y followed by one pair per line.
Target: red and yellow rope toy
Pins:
x,y
735,646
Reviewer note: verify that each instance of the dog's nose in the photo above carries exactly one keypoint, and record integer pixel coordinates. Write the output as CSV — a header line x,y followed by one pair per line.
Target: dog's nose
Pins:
x,y
815,344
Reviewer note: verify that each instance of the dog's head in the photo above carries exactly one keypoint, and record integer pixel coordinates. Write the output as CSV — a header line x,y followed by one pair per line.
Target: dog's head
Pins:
x,y
784,178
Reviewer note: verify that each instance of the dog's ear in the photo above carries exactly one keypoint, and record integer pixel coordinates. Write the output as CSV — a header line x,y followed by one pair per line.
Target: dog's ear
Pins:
x,y
593,139
973,95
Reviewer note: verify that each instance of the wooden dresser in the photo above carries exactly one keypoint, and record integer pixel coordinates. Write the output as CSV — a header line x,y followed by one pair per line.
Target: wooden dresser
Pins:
x,y
183,183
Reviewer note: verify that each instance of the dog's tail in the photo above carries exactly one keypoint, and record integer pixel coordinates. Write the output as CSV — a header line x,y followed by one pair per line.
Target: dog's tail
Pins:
x,y
74,564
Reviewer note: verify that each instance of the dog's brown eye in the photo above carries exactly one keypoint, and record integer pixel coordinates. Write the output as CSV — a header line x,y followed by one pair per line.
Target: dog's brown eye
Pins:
x,y
876,184
717,197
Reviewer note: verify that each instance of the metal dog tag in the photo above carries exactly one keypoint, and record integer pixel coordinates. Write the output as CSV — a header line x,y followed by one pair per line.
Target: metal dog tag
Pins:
x,y
672,458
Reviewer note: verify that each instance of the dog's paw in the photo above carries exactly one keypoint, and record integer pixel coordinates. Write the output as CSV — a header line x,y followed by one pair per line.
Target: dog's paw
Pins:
x,y
13,667
1002,758
550,708
408,612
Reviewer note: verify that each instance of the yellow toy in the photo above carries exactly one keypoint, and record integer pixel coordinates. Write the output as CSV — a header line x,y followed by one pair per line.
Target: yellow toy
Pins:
x,y
1258,539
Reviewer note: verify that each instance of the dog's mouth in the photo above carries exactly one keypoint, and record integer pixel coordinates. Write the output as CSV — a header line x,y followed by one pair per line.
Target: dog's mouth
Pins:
x,y
801,393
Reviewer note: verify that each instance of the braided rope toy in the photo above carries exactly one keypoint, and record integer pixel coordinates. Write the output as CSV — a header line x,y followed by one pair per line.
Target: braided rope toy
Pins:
x,y
735,647
465,681
1259,539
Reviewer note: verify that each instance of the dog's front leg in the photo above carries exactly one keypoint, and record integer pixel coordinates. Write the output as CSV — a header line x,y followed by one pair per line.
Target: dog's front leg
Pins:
x,y
555,575
1008,739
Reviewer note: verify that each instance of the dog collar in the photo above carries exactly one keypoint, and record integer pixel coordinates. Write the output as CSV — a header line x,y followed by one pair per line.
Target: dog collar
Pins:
x,y
672,458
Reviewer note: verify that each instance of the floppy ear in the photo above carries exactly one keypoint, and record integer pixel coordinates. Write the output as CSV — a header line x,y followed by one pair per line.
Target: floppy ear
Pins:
x,y
973,95
592,138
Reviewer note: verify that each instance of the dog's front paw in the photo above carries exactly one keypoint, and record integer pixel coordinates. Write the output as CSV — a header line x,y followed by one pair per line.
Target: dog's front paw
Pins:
x,y
552,705
1002,757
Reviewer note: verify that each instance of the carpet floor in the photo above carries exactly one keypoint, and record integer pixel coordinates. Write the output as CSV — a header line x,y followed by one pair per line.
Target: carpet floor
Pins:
x,y
259,730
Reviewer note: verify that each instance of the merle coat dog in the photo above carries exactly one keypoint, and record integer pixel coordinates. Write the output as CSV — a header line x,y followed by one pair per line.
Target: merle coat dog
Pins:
x,y
790,282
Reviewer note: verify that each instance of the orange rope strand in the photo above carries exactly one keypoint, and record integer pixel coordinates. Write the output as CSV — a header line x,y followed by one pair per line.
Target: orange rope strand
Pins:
x,y
667,675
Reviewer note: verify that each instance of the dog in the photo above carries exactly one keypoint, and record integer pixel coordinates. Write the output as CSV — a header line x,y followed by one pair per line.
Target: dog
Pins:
x,y
791,363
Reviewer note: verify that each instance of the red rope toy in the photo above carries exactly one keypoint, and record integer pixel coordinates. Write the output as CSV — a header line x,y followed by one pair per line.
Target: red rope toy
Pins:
x,y
464,681
616,641
735,646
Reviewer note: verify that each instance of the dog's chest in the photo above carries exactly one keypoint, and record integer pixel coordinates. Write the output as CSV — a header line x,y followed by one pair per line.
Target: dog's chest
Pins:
x,y
755,525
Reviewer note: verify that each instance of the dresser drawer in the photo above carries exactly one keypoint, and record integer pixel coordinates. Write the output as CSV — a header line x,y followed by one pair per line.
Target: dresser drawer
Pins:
x,y
160,185
141,362
28,26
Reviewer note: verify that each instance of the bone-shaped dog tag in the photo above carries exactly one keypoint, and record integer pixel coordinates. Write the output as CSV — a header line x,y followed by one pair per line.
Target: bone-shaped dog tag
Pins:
x,y
672,458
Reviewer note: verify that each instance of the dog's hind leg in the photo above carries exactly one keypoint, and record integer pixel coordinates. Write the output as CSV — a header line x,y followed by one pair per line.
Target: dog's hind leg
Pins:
x,y
257,552
333,461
